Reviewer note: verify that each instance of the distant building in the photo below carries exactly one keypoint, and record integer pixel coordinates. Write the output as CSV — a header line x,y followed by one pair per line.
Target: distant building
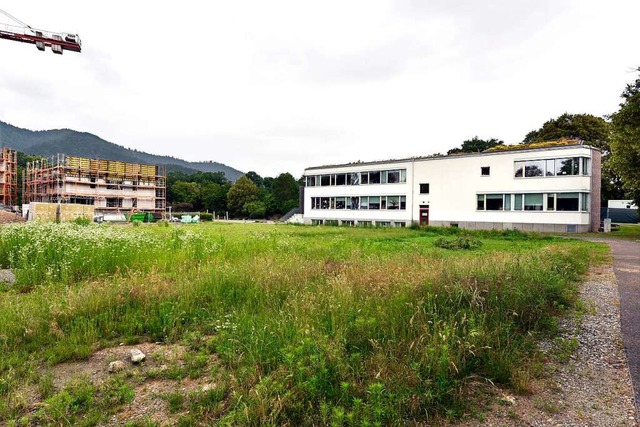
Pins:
x,y
108,185
621,211
552,187
621,204
8,177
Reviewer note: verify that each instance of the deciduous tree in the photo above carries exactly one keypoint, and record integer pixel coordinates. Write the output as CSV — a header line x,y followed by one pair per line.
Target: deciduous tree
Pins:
x,y
625,140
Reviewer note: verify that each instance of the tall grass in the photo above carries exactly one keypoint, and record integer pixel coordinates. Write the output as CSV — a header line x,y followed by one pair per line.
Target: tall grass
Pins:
x,y
316,326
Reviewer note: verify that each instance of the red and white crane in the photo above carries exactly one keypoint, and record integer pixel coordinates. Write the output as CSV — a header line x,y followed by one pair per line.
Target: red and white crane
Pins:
x,y
58,42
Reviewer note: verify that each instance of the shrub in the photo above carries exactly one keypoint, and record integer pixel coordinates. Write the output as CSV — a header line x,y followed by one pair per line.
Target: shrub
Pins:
x,y
205,216
82,220
461,242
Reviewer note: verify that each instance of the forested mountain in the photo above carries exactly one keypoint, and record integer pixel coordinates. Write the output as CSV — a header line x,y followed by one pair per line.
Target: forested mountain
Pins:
x,y
83,144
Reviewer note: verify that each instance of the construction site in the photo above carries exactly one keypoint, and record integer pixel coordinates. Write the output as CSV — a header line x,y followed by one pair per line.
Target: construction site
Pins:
x,y
8,177
110,187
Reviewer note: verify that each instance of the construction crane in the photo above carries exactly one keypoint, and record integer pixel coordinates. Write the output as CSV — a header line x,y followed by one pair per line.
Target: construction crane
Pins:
x,y
58,42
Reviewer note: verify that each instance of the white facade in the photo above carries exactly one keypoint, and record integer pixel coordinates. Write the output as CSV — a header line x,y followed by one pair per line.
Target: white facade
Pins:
x,y
621,204
561,193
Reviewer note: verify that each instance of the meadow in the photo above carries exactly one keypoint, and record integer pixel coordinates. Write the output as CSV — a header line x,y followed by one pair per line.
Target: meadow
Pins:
x,y
308,325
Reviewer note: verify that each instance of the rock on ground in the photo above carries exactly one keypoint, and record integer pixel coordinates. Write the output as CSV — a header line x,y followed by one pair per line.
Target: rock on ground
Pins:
x,y
7,277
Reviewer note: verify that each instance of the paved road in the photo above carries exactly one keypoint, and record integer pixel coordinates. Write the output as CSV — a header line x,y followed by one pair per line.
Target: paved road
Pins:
x,y
626,264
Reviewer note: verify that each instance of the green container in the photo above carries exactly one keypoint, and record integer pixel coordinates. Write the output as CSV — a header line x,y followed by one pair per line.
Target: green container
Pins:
x,y
142,217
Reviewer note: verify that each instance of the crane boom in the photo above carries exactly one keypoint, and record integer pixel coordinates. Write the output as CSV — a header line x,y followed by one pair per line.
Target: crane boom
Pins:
x,y
58,42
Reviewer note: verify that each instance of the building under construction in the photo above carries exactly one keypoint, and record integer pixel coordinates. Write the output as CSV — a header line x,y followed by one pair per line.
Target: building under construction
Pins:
x,y
8,177
110,186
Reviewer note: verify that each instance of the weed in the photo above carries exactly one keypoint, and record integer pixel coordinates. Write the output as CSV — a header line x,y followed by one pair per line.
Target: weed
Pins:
x,y
309,325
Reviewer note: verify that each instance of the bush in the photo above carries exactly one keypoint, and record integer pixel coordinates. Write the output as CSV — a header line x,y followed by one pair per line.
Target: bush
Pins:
x,y
205,216
82,220
462,242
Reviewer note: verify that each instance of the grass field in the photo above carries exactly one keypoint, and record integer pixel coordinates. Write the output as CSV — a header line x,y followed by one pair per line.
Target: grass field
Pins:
x,y
308,325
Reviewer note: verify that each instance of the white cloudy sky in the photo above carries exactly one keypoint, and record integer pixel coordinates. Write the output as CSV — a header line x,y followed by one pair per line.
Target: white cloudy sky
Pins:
x,y
275,86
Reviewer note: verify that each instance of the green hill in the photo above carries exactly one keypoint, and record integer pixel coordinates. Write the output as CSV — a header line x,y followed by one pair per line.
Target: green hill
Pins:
x,y
83,144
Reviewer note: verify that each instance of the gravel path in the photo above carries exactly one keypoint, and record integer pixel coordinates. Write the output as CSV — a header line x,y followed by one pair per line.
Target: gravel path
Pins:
x,y
592,385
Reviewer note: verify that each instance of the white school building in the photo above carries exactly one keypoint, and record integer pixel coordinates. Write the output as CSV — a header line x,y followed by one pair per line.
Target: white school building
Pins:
x,y
551,189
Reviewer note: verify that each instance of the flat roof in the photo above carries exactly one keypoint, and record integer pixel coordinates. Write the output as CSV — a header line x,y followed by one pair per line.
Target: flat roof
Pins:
x,y
455,156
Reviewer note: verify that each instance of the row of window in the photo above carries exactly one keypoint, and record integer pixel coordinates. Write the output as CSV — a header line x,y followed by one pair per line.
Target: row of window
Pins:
x,y
360,202
358,223
394,176
560,202
552,167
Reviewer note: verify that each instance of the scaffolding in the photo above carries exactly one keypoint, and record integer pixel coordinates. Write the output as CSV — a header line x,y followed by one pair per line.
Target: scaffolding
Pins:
x,y
109,185
8,177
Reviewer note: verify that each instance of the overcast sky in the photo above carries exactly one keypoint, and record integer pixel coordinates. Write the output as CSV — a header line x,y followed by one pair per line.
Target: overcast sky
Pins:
x,y
277,86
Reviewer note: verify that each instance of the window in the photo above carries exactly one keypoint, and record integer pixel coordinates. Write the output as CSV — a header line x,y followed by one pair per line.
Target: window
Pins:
x,y
403,203
364,177
585,202
534,168
364,223
485,171
355,203
393,202
400,224
347,223
533,202
494,202
374,202
550,168
517,202
568,202
341,179
507,202
567,166
403,175
480,205
393,177
354,179
424,188
519,166
311,181
340,203
316,222
383,177
585,165
374,177
383,224
551,202
325,180
364,202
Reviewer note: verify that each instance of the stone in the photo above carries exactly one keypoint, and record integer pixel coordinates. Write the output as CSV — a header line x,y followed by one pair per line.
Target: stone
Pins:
x,y
137,356
116,366
7,277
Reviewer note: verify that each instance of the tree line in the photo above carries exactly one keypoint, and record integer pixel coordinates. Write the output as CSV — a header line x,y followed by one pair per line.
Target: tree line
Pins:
x,y
251,196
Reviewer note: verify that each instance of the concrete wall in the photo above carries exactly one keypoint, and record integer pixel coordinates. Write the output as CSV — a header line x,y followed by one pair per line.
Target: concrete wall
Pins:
x,y
68,211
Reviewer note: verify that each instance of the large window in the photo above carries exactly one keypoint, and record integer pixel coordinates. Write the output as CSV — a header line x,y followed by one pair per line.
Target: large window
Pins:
x,y
393,176
568,202
424,188
552,167
360,203
533,202
558,202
